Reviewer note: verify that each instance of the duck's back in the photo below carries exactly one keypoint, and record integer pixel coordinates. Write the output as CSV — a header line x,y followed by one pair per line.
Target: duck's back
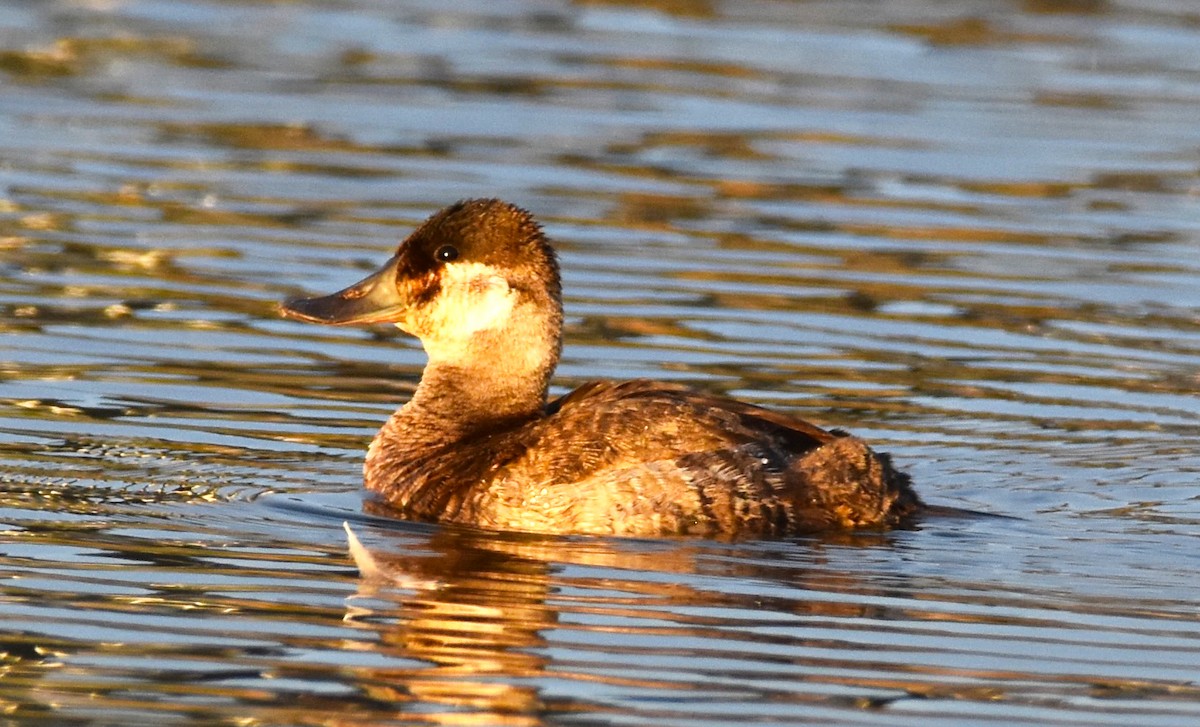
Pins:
x,y
647,458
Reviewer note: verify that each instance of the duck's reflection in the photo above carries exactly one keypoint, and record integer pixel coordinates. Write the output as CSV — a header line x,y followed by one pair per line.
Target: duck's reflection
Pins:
x,y
473,615
472,609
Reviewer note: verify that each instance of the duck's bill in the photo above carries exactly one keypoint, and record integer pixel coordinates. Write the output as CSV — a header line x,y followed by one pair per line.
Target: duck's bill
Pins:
x,y
371,300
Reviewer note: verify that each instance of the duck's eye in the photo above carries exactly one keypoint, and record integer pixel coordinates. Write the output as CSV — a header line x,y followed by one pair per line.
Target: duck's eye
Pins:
x,y
446,253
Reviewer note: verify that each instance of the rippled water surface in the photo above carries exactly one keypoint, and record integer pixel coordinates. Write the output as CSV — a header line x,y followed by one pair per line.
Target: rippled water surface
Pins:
x,y
968,231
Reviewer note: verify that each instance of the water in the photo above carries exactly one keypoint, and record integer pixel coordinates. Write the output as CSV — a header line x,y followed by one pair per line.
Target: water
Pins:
x,y
966,231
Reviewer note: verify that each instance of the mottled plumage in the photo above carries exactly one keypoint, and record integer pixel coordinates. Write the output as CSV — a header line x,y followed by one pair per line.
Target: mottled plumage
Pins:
x,y
479,444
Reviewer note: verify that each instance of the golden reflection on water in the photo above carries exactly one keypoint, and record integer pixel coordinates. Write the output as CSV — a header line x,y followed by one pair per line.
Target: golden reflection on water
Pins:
x,y
478,608
476,615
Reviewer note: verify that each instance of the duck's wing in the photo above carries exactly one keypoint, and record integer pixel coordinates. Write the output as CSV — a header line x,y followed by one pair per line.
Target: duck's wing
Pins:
x,y
600,400
664,456
604,428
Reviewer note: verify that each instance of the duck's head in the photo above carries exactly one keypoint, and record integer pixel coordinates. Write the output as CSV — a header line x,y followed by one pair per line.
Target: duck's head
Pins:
x,y
476,282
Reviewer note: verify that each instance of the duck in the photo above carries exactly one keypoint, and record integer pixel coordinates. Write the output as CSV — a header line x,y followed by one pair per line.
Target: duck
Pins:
x,y
480,443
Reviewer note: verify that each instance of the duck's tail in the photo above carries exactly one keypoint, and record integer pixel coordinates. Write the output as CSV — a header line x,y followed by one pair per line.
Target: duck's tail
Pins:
x,y
846,484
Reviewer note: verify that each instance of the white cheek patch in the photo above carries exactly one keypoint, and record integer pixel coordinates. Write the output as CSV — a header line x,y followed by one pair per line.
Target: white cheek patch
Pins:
x,y
474,297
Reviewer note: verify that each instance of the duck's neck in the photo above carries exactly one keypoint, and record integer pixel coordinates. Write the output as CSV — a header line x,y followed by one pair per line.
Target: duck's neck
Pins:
x,y
456,399
496,376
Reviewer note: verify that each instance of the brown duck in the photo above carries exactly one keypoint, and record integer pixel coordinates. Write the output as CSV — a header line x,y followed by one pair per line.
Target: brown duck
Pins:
x,y
479,444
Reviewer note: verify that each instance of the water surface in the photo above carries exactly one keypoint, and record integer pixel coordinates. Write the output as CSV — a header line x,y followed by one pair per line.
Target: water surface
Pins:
x,y
965,231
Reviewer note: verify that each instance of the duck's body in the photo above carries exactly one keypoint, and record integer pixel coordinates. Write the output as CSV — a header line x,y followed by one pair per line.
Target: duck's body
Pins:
x,y
637,458
478,443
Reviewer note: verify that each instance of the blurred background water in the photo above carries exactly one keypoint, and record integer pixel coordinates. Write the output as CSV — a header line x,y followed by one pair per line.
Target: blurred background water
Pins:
x,y
966,231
